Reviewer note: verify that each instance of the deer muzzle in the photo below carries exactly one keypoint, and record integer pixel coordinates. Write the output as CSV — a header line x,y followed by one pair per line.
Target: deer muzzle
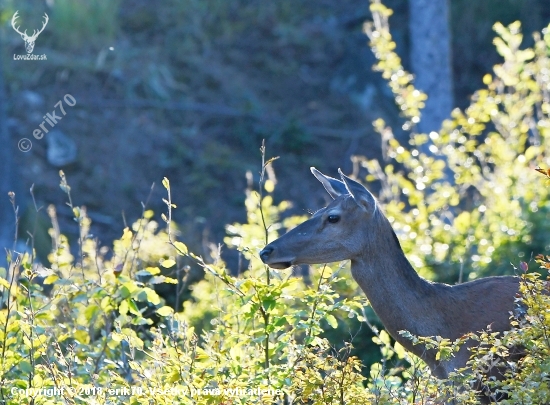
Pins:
x,y
270,257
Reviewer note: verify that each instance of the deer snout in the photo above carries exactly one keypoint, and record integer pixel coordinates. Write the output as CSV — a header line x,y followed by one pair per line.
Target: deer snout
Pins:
x,y
265,253
273,258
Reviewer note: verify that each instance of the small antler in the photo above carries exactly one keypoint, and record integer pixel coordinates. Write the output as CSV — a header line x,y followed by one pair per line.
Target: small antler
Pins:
x,y
17,28
36,34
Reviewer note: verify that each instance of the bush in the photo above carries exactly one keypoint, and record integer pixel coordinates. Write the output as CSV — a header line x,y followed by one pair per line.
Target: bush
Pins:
x,y
103,334
102,327
464,201
92,328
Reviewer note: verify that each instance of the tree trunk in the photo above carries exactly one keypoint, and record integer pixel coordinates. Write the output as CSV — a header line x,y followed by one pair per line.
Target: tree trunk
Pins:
x,y
431,59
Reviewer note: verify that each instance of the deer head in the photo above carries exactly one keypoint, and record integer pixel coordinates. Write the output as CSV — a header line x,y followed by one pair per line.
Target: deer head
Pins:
x,y
29,40
331,234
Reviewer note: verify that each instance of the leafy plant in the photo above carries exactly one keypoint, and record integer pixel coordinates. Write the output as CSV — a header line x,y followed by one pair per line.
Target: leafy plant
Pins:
x,y
103,332
463,200
92,328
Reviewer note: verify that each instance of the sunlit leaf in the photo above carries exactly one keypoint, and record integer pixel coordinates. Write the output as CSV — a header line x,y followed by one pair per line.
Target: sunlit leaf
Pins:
x,y
165,311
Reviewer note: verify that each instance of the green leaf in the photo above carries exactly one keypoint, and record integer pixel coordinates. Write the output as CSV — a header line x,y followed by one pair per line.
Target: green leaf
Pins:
x,y
332,321
123,307
168,263
128,288
82,336
25,366
52,278
115,340
149,295
141,321
181,248
4,283
106,304
165,311
399,350
149,271
132,307
162,279
385,337
269,303
91,311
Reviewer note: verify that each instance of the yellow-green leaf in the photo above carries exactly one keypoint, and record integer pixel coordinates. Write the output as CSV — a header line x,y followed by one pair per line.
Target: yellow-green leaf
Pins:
x,y
269,186
52,278
168,263
82,336
332,321
152,296
165,311
4,283
181,248
123,307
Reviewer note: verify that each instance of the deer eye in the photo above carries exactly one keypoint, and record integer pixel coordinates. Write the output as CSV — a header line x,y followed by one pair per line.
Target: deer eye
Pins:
x,y
333,218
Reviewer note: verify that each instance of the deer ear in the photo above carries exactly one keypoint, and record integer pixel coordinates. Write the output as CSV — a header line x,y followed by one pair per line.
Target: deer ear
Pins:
x,y
334,187
360,194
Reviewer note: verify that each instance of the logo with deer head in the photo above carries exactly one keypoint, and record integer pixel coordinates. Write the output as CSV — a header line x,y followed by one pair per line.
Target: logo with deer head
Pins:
x,y
29,39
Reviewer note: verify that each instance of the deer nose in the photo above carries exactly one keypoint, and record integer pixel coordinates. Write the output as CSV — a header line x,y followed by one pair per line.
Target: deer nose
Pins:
x,y
264,254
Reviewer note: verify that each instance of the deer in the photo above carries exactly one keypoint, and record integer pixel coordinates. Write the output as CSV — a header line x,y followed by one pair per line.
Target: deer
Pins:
x,y
353,227
29,40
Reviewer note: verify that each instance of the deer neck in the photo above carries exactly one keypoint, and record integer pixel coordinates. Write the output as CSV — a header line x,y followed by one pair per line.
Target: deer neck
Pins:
x,y
399,296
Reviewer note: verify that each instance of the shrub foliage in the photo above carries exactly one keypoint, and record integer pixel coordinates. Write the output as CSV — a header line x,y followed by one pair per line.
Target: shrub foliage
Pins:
x,y
91,328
